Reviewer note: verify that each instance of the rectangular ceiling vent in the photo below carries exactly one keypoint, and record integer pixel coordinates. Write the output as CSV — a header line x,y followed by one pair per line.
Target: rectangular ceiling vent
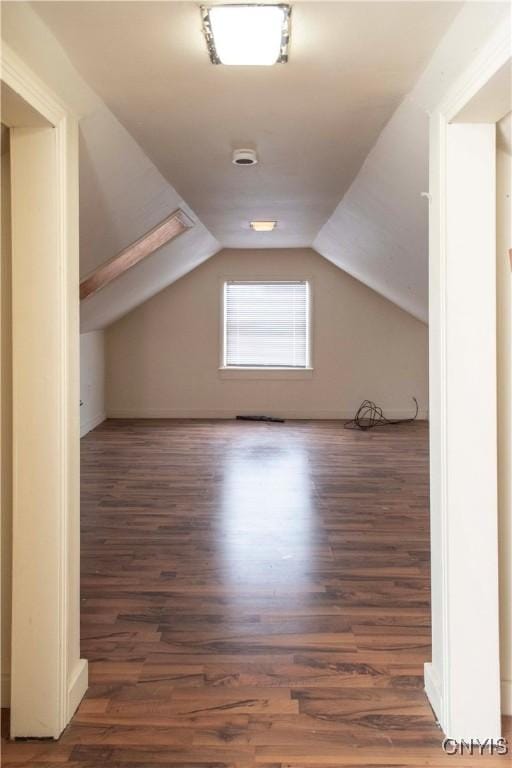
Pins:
x,y
174,225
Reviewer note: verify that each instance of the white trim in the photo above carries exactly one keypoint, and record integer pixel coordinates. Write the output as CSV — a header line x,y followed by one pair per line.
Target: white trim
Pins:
x,y
78,685
459,718
439,683
488,61
5,692
433,691
439,703
266,374
61,130
299,415
89,424
506,697
15,73
27,721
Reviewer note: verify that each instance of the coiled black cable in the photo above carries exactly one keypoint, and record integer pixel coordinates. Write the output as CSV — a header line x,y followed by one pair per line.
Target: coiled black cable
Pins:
x,y
370,415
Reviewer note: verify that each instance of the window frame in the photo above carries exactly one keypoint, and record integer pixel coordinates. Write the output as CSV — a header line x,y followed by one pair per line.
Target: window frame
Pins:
x,y
265,372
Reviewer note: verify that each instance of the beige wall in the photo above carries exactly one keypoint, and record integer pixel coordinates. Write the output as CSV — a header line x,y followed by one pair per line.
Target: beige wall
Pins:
x,y
163,358
92,380
504,349
6,418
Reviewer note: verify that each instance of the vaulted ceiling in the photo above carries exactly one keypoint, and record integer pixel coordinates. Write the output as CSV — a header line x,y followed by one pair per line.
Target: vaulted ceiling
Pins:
x,y
312,120
341,132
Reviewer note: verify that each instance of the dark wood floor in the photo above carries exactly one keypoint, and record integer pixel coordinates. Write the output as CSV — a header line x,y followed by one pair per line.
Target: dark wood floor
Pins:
x,y
252,594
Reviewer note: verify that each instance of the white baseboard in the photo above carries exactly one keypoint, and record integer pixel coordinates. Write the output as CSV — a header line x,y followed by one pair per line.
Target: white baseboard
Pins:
x,y
433,691
306,414
77,686
506,697
434,694
91,423
5,690
76,689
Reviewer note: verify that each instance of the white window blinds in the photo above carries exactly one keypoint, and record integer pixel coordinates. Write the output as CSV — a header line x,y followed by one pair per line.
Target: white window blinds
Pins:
x,y
266,324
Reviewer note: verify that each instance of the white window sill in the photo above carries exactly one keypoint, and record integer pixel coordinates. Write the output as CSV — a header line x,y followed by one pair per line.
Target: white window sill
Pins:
x,y
270,374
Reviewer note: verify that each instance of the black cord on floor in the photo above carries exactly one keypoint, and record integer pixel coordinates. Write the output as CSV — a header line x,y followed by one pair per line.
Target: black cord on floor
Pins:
x,y
370,415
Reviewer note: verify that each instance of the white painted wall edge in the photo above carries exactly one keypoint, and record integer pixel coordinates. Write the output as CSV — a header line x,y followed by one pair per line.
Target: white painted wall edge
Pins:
x,y
164,413
506,697
91,423
92,381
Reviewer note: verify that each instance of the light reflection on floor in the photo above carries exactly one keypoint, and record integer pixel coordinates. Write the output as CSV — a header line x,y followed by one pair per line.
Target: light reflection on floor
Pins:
x,y
266,511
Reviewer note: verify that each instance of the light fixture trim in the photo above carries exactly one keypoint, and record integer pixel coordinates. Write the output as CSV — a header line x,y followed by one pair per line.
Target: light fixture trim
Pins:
x,y
263,226
208,30
244,157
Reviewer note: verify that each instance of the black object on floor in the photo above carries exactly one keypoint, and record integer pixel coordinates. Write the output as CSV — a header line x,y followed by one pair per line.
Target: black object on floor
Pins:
x,y
260,418
370,415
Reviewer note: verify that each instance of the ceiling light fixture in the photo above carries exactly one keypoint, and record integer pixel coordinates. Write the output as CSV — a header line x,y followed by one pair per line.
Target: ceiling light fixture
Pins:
x,y
247,34
263,226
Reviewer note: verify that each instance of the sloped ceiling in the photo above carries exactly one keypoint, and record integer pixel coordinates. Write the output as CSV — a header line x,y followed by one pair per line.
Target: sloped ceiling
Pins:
x,y
159,123
122,196
378,232
312,120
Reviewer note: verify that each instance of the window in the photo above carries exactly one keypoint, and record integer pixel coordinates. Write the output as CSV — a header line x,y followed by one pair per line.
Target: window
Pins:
x,y
266,325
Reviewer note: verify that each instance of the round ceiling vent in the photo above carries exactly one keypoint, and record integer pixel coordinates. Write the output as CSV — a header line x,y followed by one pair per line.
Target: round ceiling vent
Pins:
x,y
245,157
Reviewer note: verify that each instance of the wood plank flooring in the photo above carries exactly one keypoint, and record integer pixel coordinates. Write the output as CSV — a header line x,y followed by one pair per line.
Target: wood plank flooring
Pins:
x,y
252,595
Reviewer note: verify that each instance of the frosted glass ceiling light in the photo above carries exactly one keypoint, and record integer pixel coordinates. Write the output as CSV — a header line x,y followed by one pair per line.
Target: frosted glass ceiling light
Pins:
x,y
247,34
263,226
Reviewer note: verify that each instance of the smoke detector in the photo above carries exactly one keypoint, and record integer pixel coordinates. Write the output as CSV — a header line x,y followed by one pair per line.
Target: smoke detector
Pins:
x,y
245,157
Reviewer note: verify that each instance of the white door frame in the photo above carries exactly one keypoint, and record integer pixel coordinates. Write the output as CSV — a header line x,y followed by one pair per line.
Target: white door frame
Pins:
x,y
48,678
463,680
